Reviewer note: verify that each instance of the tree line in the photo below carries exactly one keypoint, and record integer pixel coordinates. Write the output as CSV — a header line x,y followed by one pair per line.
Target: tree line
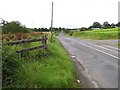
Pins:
x,y
16,26
96,25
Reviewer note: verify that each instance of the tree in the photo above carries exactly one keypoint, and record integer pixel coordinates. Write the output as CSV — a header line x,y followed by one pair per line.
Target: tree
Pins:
x,y
39,29
96,25
46,30
118,24
14,27
35,29
60,28
90,27
106,25
83,29
113,25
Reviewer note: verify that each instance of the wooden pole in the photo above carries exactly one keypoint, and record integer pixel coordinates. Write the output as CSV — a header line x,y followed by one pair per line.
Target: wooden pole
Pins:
x,y
52,23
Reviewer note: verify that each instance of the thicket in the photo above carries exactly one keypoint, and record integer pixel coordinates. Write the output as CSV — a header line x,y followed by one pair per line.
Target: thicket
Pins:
x,y
14,27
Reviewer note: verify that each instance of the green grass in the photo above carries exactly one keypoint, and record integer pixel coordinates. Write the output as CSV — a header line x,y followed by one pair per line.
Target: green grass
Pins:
x,y
102,34
118,45
56,70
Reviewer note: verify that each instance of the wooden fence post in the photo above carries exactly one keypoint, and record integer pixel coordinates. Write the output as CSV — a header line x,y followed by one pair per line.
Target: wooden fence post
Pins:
x,y
43,40
46,41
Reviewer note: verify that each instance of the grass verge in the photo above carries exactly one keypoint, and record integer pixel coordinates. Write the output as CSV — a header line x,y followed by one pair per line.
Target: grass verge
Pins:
x,y
56,70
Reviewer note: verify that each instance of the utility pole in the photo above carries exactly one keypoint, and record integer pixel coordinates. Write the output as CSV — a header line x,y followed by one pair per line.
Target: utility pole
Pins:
x,y
52,23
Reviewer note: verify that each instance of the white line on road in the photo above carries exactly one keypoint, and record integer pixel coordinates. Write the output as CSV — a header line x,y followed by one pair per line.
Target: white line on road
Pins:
x,y
95,84
99,50
102,47
111,47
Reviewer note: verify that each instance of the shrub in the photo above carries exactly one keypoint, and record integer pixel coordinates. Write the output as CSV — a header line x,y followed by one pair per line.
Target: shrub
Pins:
x,y
10,62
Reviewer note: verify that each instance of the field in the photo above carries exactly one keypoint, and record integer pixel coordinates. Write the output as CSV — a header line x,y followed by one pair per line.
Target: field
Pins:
x,y
37,70
102,34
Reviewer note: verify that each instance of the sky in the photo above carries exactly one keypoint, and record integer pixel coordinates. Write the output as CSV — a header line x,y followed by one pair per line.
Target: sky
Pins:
x,y
66,13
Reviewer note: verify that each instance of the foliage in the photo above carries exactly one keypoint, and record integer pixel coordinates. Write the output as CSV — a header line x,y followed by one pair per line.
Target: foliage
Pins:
x,y
106,25
96,25
113,25
83,29
14,27
118,24
47,30
53,71
20,36
34,70
10,61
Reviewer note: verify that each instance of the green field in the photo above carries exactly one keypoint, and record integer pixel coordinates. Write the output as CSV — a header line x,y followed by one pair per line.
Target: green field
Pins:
x,y
56,70
102,34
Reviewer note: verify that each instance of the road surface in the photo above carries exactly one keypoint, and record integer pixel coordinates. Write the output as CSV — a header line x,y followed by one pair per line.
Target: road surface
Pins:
x,y
100,61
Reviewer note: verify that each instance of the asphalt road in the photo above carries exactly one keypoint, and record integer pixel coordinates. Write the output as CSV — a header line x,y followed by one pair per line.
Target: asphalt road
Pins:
x,y
100,61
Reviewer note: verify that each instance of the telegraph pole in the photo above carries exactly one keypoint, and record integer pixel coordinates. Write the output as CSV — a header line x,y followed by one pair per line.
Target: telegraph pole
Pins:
x,y
52,23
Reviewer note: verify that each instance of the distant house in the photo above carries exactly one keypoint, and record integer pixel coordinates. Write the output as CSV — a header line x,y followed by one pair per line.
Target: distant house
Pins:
x,y
95,28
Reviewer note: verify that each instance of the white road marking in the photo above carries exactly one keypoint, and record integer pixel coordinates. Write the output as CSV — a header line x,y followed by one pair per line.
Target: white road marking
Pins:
x,y
111,47
95,84
102,47
99,50
73,56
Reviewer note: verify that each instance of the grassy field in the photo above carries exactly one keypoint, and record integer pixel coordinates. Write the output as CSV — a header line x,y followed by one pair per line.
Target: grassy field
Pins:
x,y
56,70
102,34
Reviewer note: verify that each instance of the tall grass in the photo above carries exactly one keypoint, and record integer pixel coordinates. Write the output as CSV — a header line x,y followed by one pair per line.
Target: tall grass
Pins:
x,y
102,34
55,70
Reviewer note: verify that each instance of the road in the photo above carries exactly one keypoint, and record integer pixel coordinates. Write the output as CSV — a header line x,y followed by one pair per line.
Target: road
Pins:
x,y
100,61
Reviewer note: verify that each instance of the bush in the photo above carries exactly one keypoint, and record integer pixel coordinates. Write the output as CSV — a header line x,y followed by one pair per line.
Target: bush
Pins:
x,y
10,63
83,29
14,27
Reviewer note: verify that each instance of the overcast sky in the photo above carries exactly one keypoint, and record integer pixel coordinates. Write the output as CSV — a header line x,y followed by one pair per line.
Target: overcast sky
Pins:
x,y
67,13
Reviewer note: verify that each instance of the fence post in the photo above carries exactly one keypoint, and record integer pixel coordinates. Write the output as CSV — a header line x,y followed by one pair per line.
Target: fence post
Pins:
x,y
46,41
43,40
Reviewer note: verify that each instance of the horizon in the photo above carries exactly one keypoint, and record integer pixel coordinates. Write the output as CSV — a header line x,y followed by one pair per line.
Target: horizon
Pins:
x,y
37,14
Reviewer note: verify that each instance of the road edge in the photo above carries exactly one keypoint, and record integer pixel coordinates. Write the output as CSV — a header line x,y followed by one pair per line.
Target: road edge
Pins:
x,y
84,77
